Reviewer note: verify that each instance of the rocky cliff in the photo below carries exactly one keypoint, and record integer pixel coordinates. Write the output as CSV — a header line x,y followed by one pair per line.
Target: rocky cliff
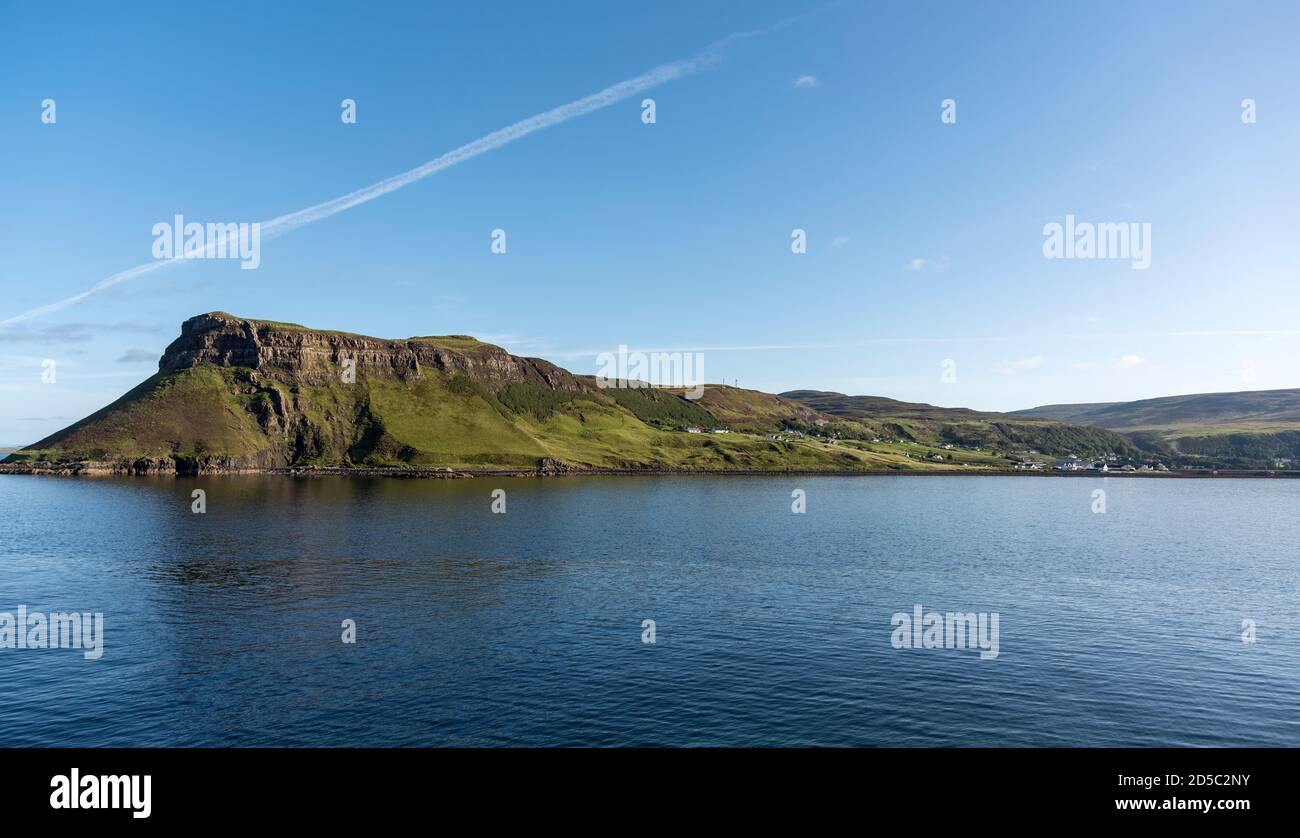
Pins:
x,y
294,354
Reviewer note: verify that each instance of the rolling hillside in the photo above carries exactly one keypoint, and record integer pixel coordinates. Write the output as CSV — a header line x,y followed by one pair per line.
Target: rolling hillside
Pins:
x,y
1258,408
1247,429
928,424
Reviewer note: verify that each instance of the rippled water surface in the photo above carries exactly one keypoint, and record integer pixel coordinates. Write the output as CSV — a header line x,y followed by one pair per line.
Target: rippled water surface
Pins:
x,y
772,628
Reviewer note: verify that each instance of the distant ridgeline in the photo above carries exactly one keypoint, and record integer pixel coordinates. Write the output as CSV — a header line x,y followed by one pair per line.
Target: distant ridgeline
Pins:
x,y
233,394
1246,429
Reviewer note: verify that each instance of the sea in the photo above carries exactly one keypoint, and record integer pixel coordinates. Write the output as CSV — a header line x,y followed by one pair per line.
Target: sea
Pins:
x,y
778,611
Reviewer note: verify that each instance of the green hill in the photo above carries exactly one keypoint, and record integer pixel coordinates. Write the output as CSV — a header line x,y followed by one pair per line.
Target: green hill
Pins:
x,y
930,425
754,410
1260,408
1241,429
233,393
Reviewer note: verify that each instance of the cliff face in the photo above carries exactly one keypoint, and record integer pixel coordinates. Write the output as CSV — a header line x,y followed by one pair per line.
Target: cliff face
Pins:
x,y
233,394
295,355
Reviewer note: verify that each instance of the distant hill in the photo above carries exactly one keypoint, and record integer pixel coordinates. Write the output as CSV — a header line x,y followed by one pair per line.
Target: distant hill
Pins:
x,y
1246,428
755,410
928,424
874,407
1265,408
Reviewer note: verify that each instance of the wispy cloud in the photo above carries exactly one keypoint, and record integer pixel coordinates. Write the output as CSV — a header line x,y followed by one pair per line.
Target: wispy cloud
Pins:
x,y
138,356
71,333
1123,362
771,347
12,362
805,82
288,222
1221,333
839,241
921,263
1024,363
1020,366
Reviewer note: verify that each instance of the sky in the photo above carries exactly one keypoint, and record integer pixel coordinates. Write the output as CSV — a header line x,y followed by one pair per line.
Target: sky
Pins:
x,y
925,238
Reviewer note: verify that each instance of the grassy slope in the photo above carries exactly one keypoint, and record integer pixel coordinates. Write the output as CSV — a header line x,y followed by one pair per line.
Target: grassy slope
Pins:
x,y
194,411
968,429
1248,428
595,431
439,422
879,407
751,409
1265,409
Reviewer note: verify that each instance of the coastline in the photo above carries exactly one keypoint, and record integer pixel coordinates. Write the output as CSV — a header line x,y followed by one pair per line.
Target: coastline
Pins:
x,y
417,473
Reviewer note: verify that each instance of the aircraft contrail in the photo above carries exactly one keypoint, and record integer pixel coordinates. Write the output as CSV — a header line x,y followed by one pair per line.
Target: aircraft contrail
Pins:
x,y
282,224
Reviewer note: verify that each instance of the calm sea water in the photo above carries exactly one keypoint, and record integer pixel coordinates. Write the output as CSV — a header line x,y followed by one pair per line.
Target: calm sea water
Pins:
x,y
772,628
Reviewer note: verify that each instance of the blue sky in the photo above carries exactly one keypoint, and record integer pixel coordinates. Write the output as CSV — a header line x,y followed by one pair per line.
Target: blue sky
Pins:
x,y
924,239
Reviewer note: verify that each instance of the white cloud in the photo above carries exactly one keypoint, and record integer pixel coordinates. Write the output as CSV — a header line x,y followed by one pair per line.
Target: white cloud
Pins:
x,y
9,362
916,264
805,81
839,241
1019,366
1123,362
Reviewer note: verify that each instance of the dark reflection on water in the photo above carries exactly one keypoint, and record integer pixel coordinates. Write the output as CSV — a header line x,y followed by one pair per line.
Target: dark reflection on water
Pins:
x,y
772,628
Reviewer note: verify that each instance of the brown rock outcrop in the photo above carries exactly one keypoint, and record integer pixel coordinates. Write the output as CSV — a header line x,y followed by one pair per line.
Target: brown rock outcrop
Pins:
x,y
293,354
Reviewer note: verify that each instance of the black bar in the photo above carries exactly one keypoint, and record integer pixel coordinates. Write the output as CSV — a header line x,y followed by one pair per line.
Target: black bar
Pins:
x,y
973,786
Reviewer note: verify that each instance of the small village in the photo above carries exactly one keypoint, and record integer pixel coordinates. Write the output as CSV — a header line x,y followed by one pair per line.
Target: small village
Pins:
x,y
1107,464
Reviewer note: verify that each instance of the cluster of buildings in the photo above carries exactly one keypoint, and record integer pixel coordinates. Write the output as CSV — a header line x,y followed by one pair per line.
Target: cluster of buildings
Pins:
x,y
1108,464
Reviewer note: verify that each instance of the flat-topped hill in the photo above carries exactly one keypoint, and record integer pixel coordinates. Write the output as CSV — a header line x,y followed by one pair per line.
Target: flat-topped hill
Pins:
x,y
236,393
